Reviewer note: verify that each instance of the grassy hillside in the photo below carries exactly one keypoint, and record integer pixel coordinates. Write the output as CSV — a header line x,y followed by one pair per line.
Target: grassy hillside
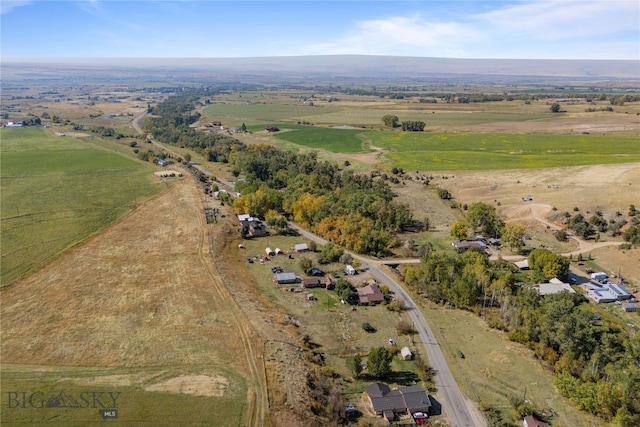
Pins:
x,y
56,191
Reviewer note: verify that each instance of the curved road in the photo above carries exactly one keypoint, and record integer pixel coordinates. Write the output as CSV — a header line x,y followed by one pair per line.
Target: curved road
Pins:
x,y
459,411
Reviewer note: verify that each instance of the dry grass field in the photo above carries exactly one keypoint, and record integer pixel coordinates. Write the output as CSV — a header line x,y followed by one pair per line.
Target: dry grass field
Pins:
x,y
143,302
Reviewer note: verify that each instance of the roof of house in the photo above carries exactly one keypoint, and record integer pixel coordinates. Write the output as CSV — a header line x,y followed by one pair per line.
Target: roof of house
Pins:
x,y
405,351
601,295
370,293
522,265
618,290
312,282
553,288
531,421
384,399
377,390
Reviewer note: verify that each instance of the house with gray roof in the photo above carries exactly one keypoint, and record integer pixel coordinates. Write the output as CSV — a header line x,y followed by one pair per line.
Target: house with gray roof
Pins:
x,y
390,403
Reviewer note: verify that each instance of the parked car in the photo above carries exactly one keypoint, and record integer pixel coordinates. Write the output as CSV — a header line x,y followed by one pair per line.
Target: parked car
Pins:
x,y
421,418
315,271
460,354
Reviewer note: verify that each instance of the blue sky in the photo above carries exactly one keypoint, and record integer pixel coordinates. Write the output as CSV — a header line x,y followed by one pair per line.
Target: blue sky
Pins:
x,y
557,29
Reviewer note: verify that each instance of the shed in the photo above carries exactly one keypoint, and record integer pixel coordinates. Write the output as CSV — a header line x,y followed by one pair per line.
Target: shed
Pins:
x,y
284,278
313,283
630,306
301,247
269,252
279,251
350,270
406,353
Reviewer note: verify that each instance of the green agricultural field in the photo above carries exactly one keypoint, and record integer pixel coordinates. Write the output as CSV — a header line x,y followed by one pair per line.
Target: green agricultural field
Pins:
x,y
481,151
320,138
236,114
433,117
153,396
57,191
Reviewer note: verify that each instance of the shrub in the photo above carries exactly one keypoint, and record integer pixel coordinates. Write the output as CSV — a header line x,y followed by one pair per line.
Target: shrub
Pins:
x,y
397,306
368,327
404,328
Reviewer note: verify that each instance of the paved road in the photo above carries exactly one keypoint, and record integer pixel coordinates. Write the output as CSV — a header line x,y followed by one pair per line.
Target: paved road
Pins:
x,y
453,402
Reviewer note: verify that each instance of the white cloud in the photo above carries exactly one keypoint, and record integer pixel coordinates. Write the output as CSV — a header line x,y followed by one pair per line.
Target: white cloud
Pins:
x,y
92,7
7,6
559,29
565,19
414,36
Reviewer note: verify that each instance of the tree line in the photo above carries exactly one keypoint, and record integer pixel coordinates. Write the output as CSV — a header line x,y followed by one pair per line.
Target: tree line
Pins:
x,y
595,363
355,211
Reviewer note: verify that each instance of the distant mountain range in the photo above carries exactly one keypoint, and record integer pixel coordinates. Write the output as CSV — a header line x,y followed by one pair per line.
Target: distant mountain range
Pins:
x,y
329,68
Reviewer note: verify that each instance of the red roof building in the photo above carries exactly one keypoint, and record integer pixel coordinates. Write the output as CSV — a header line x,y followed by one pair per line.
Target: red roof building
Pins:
x,y
370,294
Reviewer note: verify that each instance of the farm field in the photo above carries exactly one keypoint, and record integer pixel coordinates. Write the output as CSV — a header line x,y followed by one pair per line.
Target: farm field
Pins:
x,y
56,191
263,112
460,151
117,314
333,140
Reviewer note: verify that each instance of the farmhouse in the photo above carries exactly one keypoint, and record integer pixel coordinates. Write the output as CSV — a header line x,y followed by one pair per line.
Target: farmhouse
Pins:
x,y
618,290
255,227
601,295
286,278
370,294
390,403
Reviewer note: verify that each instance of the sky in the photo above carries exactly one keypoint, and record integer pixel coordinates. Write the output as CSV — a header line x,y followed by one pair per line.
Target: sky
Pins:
x,y
557,29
